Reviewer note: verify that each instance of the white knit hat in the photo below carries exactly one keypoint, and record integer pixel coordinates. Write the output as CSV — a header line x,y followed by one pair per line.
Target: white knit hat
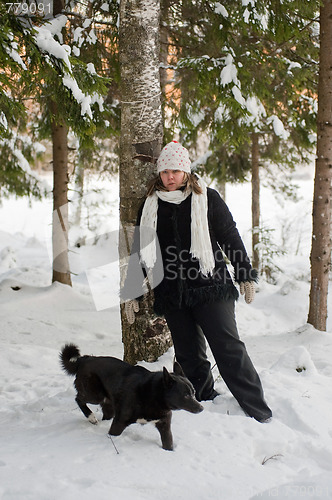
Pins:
x,y
174,157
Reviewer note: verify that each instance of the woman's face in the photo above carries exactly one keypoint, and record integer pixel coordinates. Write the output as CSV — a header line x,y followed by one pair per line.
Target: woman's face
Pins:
x,y
172,179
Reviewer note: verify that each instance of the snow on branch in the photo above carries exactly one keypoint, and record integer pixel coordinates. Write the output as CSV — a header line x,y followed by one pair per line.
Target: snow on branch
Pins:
x,y
45,38
13,53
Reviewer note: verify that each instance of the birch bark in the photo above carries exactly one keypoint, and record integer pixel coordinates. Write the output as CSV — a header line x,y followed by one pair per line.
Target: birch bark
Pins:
x,y
140,145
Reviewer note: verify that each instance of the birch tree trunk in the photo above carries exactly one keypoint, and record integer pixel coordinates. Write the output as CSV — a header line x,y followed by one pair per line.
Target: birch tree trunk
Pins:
x,y
140,145
321,216
255,199
61,271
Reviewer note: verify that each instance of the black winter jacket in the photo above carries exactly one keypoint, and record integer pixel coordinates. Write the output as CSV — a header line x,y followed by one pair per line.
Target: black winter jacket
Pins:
x,y
183,285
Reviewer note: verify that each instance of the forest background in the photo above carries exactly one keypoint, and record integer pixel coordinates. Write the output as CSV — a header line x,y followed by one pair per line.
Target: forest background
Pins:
x,y
100,87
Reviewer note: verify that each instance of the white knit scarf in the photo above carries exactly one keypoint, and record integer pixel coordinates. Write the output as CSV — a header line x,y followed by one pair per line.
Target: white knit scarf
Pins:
x,y
201,247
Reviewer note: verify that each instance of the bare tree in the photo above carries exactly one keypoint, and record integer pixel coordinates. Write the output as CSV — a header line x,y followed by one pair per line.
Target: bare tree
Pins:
x,y
321,239
140,145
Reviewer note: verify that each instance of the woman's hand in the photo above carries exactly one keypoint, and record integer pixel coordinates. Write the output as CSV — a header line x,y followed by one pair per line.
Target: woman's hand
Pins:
x,y
247,288
131,307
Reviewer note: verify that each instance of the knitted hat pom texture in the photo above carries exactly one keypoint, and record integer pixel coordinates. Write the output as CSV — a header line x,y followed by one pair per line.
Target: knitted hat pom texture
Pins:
x,y
174,157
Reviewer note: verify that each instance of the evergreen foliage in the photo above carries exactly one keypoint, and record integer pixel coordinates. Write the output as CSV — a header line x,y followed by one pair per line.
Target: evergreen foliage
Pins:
x,y
94,39
243,67
39,66
15,175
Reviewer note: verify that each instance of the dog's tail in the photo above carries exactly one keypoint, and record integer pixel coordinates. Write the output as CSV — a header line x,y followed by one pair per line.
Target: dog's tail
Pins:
x,y
69,358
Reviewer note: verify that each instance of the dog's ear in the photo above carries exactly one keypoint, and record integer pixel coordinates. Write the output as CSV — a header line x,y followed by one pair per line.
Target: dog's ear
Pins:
x,y
168,380
177,369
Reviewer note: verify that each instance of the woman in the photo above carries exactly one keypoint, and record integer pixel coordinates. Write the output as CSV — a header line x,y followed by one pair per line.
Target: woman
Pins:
x,y
196,294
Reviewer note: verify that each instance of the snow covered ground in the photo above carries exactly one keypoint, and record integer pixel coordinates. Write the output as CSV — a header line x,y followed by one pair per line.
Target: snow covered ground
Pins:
x,y
49,451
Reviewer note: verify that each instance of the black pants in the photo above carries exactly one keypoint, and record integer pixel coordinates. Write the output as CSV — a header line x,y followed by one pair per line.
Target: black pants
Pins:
x,y
216,322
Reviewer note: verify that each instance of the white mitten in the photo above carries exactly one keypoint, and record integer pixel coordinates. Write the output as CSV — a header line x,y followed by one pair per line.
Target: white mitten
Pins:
x,y
131,307
247,288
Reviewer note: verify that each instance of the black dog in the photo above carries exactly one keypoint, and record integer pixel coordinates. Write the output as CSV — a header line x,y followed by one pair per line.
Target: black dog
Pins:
x,y
127,393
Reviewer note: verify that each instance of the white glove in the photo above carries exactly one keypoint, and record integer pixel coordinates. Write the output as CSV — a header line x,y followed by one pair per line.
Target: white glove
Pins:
x,y
247,288
131,307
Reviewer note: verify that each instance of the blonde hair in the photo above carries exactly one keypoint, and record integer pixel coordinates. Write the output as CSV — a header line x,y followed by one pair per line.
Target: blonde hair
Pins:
x,y
190,182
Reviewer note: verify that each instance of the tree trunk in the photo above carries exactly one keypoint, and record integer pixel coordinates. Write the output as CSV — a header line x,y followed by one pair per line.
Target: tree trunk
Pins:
x,y
61,271
164,51
140,145
221,188
321,215
255,200
79,186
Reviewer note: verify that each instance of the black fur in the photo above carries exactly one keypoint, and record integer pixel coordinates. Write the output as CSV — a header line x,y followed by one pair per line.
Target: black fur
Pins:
x,y
129,393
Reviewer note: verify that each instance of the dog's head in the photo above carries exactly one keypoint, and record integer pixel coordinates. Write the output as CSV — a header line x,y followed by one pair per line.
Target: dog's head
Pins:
x,y
179,391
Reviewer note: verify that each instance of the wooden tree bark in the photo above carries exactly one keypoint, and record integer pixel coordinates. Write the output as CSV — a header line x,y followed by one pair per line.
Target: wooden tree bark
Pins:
x,y
321,216
255,199
61,271
140,145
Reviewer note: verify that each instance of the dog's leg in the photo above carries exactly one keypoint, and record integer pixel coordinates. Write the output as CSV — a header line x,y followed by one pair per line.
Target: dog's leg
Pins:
x,y
117,427
164,427
108,410
86,411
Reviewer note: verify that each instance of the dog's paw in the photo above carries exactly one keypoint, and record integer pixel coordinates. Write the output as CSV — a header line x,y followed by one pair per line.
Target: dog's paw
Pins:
x,y
92,419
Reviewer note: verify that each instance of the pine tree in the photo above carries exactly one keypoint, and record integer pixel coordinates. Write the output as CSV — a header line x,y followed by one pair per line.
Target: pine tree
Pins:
x,y
16,149
94,39
246,70
69,93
